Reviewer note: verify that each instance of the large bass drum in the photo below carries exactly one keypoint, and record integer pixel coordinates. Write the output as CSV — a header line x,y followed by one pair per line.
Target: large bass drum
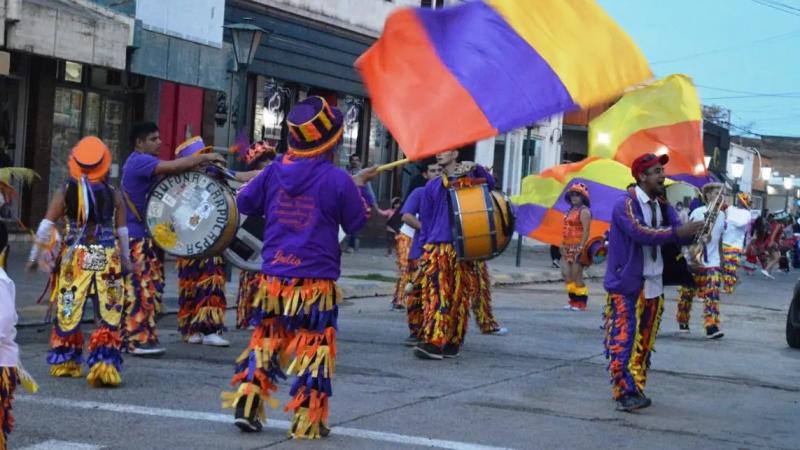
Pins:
x,y
192,215
682,192
482,221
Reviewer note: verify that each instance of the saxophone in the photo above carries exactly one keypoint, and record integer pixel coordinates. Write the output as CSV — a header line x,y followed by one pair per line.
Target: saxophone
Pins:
x,y
695,250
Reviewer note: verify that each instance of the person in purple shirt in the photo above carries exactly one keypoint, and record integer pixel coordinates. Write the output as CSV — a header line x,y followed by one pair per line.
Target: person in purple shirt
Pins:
x,y
449,286
304,199
643,225
142,169
409,281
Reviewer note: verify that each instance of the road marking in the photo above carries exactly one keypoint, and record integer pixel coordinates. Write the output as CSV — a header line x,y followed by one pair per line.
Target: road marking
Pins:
x,y
54,444
226,418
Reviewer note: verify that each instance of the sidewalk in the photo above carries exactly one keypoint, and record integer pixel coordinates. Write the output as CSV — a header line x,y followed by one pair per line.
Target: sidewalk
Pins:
x,y
366,273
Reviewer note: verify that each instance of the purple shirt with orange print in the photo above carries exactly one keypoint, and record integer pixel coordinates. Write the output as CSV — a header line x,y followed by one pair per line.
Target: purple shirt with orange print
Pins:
x,y
303,202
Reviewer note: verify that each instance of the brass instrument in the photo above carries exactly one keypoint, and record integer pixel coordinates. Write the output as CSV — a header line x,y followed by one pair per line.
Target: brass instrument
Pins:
x,y
695,250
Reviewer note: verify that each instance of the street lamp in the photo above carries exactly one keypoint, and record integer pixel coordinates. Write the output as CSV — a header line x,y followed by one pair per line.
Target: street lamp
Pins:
x,y
766,173
246,39
737,168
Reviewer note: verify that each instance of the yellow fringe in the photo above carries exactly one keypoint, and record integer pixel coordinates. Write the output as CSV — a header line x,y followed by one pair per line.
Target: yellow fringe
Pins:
x,y
249,390
302,427
67,369
580,290
637,370
323,355
103,375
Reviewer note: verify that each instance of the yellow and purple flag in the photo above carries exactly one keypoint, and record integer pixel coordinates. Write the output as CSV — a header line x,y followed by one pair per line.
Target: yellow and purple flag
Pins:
x,y
439,79
662,118
542,204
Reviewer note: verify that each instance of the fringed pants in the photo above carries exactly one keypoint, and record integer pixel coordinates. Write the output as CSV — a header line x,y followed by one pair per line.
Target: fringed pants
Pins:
x,y
92,272
201,295
414,310
403,247
631,325
248,287
482,299
8,383
731,258
296,319
707,281
144,290
447,291
578,295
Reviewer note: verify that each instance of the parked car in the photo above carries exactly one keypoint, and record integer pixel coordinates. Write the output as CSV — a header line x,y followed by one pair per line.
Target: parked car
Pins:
x,y
793,320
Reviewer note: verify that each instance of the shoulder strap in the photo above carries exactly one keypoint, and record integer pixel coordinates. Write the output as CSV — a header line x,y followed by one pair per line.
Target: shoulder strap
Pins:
x,y
132,207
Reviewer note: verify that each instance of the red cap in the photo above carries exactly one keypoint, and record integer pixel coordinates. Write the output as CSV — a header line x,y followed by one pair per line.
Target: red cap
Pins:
x,y
647,161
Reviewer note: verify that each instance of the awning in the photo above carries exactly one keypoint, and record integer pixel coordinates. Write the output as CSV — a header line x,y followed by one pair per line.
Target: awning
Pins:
x,y
75,30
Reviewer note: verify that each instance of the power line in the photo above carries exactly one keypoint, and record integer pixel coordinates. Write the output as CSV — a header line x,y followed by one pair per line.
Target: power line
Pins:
x,y
788,96
735,91
729,48
783,7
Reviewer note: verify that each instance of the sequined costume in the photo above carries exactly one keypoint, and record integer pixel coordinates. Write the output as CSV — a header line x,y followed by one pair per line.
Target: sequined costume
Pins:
x,y
145,287
89,271
248,287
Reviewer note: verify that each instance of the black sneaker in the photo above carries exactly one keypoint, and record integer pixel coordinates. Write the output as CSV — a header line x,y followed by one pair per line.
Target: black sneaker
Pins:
x,y
645,401
425,350
683,328
632,402
713,332
451,351
411,341
248,424
324,430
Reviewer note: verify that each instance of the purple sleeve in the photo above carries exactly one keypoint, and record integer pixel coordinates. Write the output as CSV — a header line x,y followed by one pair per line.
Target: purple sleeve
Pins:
x,y
355,205
426,206
481,172
250,199
626,219
412,202
144,166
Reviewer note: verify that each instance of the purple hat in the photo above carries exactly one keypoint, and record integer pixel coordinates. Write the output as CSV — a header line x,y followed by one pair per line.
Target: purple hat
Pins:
x,y
191,146
314,127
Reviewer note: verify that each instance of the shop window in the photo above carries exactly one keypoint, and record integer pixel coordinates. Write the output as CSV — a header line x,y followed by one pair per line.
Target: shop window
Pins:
x,y
351,108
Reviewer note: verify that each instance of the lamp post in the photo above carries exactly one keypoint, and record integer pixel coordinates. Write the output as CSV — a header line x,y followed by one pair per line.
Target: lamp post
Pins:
x,y
246,39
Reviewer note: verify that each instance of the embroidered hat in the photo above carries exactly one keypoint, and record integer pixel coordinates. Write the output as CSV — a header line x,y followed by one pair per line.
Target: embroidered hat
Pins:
x,y
89,157
645,162
314,127
578,188
191,146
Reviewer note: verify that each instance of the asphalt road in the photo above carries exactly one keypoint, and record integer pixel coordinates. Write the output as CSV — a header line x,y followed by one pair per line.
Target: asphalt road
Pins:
x,y
542,386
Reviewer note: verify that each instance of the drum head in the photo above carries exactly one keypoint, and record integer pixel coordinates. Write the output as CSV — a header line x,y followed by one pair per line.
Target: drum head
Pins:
x,y
191,215
682,192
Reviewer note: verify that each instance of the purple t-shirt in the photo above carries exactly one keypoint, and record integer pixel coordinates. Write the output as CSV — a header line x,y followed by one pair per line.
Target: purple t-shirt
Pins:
x,y
411,206
303,202
434,210
137,179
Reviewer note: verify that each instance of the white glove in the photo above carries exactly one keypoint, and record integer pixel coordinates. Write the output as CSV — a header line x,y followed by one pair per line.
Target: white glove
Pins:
x,y
43,235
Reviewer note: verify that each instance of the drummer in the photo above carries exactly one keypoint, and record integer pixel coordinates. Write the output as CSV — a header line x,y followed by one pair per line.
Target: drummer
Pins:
x,y
146,281
201,281
446,303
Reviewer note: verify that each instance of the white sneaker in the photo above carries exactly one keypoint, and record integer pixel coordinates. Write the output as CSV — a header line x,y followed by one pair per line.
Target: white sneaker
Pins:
x,y
767,274
568,307
215,340
502,331
196,338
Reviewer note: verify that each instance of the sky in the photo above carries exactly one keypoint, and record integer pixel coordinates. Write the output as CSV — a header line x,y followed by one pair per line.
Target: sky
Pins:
x,y
743,55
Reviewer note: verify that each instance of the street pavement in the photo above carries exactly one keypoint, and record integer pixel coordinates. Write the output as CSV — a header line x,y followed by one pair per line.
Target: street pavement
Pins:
x,y
544,385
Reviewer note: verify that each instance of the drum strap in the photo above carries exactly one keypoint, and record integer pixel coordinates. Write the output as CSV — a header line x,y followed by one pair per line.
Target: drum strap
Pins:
x,y
132,207
503,220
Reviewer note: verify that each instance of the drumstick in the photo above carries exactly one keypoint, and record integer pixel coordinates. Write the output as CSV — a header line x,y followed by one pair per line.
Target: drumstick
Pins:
x,y
392,165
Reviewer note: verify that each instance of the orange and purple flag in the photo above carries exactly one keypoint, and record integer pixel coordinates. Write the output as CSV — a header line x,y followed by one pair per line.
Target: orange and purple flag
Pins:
x,y
439,79
662,118
542,204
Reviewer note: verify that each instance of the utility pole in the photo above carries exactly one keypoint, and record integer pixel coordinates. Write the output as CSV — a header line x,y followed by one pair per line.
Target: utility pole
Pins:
x,y
527,152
